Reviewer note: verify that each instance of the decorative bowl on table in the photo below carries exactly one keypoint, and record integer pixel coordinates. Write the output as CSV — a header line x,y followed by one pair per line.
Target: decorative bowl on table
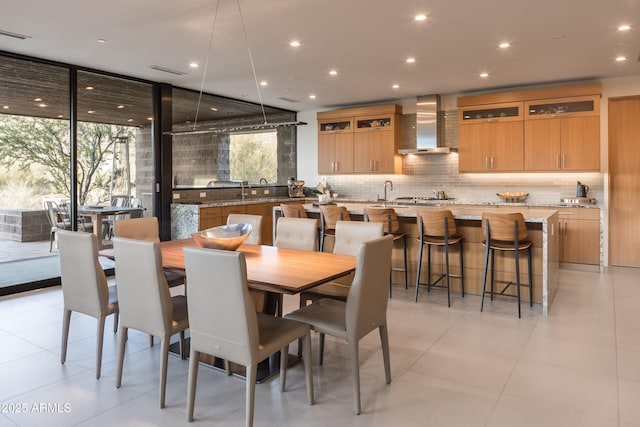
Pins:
x,y
226,237
513,196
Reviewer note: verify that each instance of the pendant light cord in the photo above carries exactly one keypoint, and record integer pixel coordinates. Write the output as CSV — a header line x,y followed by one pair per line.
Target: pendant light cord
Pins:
x,y
206,63
253,68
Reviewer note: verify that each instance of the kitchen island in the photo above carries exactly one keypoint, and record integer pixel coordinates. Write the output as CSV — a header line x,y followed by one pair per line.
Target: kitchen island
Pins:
x,y
542,227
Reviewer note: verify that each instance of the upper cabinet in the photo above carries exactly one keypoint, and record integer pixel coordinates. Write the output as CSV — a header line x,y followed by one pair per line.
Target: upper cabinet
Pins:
x,y
359,140
537,131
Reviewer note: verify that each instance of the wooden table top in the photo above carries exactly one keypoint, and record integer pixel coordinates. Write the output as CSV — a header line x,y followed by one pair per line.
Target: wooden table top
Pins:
x,y
285,271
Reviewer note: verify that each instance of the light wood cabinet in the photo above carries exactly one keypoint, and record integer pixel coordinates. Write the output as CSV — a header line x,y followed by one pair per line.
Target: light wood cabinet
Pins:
x,y
495,146
580,235
359,140
210,217
264,210
562,135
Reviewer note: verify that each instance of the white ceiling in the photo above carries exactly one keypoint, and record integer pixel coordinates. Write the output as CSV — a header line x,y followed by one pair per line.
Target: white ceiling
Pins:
x,y
367,41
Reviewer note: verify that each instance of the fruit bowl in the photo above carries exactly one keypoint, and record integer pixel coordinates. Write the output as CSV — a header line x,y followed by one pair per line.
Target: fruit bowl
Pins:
x,y
513,196
226,237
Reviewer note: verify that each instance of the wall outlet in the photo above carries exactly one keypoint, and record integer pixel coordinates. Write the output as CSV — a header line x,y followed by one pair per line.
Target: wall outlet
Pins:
x,y
266,192
176,196
254,192
203,194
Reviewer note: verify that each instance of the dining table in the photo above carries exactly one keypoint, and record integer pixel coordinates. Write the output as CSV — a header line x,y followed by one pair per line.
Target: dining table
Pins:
x,y
97,213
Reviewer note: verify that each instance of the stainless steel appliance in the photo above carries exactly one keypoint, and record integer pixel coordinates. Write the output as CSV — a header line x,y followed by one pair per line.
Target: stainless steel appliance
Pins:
x,y
578,201
582,190
425,201
296,187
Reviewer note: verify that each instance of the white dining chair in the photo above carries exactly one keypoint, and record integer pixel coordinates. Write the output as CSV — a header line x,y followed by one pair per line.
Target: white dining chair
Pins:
x,y
224,323
145,301
255,238
364,310
84,287
297,233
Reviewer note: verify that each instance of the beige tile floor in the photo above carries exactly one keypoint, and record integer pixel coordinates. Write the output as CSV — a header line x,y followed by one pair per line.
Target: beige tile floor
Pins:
x,y
580,366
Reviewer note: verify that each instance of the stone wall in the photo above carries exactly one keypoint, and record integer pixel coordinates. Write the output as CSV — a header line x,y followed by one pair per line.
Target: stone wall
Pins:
x,y
24,225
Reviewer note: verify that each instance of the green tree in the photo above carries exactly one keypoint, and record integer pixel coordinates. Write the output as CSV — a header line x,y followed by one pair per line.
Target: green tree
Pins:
x,y
253,156
27,141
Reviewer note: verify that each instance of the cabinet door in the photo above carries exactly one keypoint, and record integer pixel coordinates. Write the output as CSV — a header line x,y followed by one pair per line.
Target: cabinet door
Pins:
x,y
326,153
580,138
210,217
383,151
343,153
362,155
264,210
507,151
580,241
542,145
474,147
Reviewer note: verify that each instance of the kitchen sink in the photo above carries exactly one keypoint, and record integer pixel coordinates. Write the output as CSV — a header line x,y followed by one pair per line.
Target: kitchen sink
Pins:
x,y
388,206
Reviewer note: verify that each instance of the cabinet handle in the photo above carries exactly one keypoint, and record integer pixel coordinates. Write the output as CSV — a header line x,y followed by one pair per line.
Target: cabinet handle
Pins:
x,y
337,166
557,161
491,162
486,162
563,161
375,165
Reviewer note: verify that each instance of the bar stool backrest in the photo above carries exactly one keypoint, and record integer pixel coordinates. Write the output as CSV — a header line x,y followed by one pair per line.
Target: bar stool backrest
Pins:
x,y
332,214
294,210
433,223
502,226
387,216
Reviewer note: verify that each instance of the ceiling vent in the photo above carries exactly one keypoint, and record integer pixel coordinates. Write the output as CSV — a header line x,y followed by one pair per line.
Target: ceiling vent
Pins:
x,y
14,35
284,98
167,70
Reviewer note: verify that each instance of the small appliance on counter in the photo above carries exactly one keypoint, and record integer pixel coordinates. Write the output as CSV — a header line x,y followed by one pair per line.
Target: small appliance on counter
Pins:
x,y
582,190
296,187
578,201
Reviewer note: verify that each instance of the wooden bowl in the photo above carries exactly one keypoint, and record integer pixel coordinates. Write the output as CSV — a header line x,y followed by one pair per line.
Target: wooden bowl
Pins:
x,y
226,237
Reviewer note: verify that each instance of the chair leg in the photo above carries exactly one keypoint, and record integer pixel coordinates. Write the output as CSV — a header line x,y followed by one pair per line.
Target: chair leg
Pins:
x,y
227,367
530,280
100,333
124,332
250,393
116,319
406,269
355,368
447,272
194,356
321,350
308,368
183,353
66,321
51,235
493,269
461,269
384,339
484,275
428,268
284,361
418,269
164,360
150,340
517,260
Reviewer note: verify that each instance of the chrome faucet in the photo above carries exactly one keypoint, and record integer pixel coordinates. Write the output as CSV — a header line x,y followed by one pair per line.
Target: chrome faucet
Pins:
x,y
384,203
244,184
265,181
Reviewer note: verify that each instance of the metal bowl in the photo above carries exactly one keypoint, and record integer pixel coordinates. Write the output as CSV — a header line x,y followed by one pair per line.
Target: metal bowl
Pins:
x,y
225,237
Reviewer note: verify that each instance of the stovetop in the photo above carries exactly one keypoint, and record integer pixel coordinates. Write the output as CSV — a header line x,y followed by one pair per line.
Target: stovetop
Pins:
x,y
419,200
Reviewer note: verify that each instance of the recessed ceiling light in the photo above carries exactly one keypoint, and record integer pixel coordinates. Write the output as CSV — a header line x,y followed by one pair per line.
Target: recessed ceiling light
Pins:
x,y
129,120
621,58
295,43
333,72
91,111
101,40
484,75
5,107
395,86
60,116
149,118
312,96
410,60
37,100
194,65
263,83
420,17
42,105
120,107
89,88
504,45
214,109
624,27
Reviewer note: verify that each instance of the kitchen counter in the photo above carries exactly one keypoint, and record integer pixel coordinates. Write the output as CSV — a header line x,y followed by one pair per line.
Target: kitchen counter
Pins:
x,y
542,226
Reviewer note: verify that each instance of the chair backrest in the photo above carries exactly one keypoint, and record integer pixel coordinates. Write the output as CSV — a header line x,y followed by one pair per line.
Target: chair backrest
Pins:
x,y
294,210
351,234
297,233
255,238
84,284
432,223
502,226
387,216
57,214
222,317
120,201
368,294
138,228
331,214
144,299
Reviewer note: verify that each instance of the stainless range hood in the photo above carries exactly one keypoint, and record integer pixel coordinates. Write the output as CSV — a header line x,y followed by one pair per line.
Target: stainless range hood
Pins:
x,y
428,129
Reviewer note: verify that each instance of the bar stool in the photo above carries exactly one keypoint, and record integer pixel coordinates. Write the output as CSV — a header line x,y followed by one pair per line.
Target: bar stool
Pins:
x,y
329,215
389,217
293,210
438,228
505,232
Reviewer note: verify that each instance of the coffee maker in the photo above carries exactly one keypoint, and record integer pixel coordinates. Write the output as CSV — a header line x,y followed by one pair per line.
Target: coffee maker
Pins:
x,y
296,187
